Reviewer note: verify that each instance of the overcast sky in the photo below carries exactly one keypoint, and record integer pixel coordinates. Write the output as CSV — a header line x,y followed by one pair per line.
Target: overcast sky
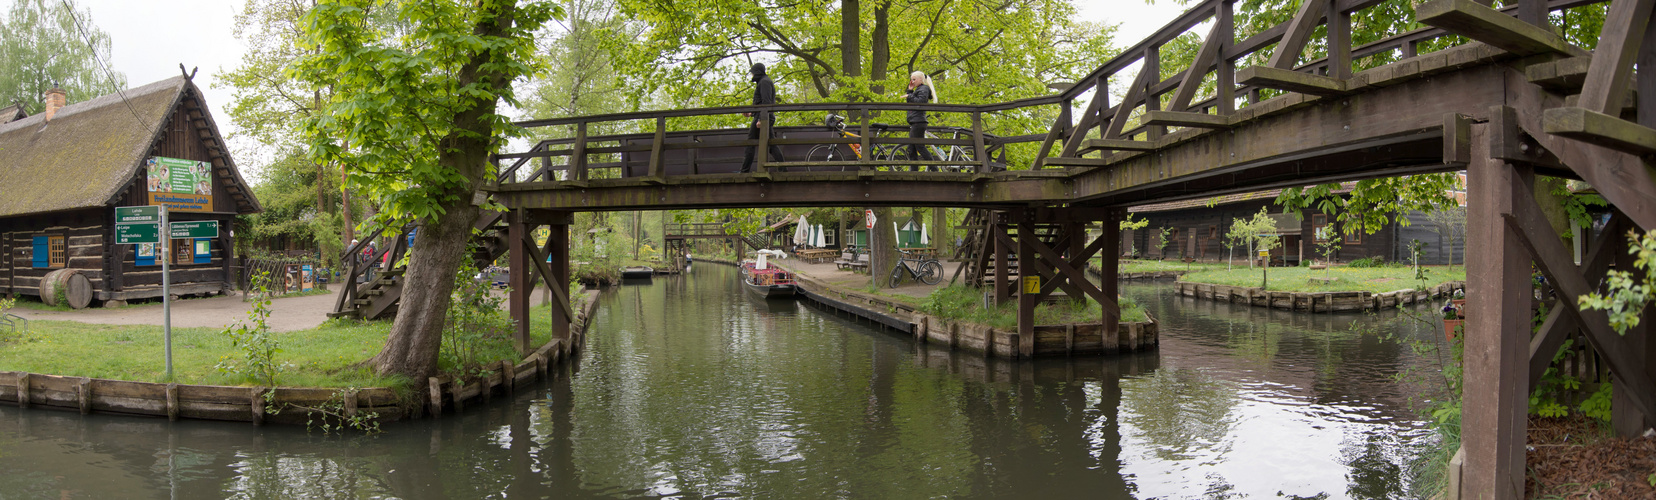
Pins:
x,y
150,38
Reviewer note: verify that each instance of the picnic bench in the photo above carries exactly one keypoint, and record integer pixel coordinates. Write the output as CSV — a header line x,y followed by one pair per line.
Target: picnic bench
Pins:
x,y
815,256
853,260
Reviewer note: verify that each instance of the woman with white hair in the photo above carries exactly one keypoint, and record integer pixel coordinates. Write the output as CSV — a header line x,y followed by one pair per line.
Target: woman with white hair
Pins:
x,y
919,92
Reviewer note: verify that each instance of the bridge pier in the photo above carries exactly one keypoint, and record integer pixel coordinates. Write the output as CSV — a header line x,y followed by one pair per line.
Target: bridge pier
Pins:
x,y
527,266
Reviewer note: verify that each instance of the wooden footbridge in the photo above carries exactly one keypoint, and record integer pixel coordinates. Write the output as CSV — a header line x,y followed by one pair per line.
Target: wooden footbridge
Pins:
x,y
1513,101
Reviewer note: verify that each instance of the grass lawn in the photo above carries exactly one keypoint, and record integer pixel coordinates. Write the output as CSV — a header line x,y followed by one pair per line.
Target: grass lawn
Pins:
x,y
319,357
1349,279
964,303
1150,266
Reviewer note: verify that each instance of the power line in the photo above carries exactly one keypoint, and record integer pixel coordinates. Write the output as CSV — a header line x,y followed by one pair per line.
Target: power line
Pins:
x,y
87,39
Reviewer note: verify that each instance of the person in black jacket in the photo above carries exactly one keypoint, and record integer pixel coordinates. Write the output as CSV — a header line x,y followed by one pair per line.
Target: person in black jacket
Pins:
x,y
764,92
920,92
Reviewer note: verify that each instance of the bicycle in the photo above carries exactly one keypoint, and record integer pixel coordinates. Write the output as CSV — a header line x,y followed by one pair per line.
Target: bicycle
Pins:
x,y
833,152
925,269
955,154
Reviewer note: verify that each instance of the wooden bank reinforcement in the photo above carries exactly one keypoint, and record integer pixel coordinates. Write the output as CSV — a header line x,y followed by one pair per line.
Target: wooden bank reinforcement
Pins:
x,y
296,405
1050,340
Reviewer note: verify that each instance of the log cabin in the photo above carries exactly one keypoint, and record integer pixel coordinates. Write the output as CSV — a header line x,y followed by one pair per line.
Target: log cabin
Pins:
x,y
1196,230
65,170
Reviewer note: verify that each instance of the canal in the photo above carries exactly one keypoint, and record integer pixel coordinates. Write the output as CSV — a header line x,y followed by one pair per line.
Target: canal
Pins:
x,y
692,388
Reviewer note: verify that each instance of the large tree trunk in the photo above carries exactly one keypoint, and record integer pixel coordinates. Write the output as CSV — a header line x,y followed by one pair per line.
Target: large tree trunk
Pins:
x,y
882,241
416,335
880,46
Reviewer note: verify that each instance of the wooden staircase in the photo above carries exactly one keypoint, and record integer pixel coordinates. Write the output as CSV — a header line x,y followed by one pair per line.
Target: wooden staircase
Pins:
x,y
378,297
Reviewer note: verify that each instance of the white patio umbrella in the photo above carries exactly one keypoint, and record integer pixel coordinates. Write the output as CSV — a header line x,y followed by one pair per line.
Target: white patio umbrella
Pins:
x,y
821,239
925,236
802,232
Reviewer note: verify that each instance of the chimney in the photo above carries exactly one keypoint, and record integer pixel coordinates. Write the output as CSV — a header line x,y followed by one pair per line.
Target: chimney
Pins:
x,y
56,99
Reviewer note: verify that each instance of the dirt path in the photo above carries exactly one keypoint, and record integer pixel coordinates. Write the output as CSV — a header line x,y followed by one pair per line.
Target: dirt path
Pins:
x,y
832,275
287,314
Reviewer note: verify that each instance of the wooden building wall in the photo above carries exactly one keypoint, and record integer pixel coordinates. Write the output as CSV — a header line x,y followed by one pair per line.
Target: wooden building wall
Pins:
x,y
112,269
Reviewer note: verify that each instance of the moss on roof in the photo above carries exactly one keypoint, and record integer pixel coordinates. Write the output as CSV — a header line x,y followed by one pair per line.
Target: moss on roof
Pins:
x,y
88,152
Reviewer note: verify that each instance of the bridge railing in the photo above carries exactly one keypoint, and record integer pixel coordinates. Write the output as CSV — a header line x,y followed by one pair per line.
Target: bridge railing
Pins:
x,y
1226,75
1231,74
855,144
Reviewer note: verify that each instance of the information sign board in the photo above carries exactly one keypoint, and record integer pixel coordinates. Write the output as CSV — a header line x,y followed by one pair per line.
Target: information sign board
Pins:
x,y
195,229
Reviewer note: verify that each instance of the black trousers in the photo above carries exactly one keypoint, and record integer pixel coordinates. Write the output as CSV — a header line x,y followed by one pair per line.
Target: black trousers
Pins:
x,y
919,152
753,134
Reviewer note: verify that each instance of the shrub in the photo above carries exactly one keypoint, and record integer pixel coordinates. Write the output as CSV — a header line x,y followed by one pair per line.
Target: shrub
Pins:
x,y
474,332
257,343
1368,262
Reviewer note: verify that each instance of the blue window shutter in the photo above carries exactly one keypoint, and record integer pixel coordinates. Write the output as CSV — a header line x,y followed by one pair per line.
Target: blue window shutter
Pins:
x,y
42,254
203,257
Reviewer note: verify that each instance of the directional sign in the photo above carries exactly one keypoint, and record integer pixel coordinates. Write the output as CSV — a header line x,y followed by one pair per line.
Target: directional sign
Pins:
x,y
129,234
1032,284
195,229
128,215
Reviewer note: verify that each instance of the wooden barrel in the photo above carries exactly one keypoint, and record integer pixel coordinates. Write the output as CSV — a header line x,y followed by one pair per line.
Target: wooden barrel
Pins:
x,y
70,284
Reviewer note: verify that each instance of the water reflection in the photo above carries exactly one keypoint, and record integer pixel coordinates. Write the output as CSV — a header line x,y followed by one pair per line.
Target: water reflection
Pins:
x,y
693,388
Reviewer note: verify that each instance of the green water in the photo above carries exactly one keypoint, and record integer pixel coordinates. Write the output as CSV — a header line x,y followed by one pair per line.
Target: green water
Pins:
x,y
691,388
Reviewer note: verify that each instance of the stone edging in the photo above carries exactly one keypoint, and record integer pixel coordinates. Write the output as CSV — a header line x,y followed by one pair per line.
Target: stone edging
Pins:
x,y
1315,301
237,403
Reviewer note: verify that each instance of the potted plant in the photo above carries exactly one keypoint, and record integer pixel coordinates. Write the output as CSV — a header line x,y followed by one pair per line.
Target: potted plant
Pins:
x,y
1459,299
1452,321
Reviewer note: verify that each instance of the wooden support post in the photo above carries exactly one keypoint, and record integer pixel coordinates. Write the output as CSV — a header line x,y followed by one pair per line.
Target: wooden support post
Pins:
x,y
172,401
1207,56
509,379
83,394
578,159
23,390
1494,398
1620,41
1339,41
762,164
1225,76
1109,268
997,226
1152,101
981,153
1059,129
256,402
557,241
459,402
658,168
351,403
1626,415
867,141
520,274
434,389
1026,298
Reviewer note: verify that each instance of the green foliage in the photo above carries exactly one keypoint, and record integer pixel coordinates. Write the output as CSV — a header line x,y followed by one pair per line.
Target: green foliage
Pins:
x,y
1372,204
964,303
18,333
1368,262
53,44
1161,242
1128,224
475,332
1552,392
1345,278
1598,404
410,90
1626,293
257,343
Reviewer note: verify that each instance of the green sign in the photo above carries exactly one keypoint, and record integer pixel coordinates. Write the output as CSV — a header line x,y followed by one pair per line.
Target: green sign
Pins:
x,y
181,185
195,229
137,233
129,215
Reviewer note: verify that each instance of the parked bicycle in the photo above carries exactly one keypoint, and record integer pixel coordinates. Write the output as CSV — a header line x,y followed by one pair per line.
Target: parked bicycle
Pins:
x,y
957,155
838,152
924,269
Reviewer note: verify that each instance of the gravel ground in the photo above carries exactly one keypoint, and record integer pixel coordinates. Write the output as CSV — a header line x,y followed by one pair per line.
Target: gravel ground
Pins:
x,y
287,313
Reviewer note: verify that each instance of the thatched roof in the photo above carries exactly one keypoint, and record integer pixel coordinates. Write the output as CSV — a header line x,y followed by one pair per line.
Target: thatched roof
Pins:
x,y
90,152
12,113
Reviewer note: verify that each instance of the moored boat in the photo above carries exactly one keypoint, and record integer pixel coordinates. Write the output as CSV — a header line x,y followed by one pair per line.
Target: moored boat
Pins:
x,y
765,280
637,273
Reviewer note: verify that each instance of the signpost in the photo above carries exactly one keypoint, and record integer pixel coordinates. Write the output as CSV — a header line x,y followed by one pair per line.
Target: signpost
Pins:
x,y
194,229
142,225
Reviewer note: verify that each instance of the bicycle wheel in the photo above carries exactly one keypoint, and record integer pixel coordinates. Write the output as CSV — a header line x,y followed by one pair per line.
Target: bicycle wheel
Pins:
x,y
825,152
930,273
896,275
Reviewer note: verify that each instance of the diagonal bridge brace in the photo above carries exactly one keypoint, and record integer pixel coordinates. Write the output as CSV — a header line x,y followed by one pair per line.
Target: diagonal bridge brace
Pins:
x,y
1554,262
1559,323
559,294
1035,267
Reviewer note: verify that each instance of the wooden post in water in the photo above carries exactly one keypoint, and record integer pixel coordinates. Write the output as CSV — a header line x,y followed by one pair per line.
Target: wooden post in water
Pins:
x,y
1027,294
1109,268
520,270
557,240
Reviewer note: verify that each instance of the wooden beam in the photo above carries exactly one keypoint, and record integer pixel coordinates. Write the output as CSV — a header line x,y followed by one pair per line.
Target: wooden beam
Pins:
x,y
1624,179
1290,80
1117,145
1593,127
1206,58
559,295
1563,76
1495,400
1618,46
1339,42
578,162
1187,119
1553,330
1299,31
657,163
1484,24
1125,109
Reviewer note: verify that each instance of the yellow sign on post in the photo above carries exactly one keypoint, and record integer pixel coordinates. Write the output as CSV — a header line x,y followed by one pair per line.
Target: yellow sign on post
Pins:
x,y
1032,284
